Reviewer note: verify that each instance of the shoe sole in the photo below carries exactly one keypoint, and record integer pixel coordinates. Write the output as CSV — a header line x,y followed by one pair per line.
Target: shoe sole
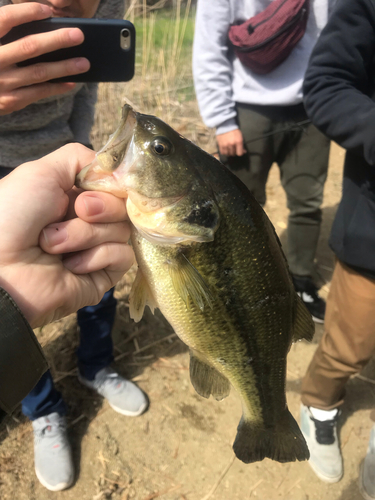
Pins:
x,y
318,320
362,490
326,479
58,487
128,413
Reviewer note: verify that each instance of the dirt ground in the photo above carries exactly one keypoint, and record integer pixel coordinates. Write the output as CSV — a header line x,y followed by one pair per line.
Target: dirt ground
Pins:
x,y
181,448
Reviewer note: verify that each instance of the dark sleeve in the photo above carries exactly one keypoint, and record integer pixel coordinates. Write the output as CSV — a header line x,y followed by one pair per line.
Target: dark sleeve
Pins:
x,y
339,80
22,361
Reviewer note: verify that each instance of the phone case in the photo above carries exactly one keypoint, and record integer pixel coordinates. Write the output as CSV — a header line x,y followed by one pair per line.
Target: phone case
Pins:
x,y
101,46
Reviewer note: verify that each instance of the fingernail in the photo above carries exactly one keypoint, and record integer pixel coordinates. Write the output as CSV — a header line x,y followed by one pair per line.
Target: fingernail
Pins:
x,y
94,206
76,35
82,64
45,10
54,235
72,262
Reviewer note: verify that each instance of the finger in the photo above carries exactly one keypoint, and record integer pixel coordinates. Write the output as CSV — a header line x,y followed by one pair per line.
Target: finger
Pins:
x,y
34,45
75,235
16,78
115,258
240,149
223,149
72,195
14,15
19,99
100,207
231,150
40,189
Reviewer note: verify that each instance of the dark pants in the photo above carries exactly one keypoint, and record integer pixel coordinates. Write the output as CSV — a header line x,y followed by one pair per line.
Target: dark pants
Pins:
x,y
301,153
94,353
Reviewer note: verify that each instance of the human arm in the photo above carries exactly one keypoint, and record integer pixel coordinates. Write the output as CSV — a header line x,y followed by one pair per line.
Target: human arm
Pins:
x,y
14,94
48,278
41,278
212,68
339,81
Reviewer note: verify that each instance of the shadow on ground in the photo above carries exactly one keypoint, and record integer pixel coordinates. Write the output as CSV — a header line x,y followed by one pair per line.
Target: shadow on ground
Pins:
x,y
152,337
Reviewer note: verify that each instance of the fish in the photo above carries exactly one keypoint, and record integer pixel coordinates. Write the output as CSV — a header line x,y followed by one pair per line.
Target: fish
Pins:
x,y
209,258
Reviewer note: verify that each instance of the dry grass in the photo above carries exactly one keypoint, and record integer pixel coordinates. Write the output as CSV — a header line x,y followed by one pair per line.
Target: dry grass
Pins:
x,y
163,82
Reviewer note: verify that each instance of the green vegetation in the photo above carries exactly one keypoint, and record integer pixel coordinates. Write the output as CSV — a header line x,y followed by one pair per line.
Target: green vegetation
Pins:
x,y
162,25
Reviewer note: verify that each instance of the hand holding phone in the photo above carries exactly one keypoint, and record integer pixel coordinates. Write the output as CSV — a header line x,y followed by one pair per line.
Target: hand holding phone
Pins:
x,y
21,86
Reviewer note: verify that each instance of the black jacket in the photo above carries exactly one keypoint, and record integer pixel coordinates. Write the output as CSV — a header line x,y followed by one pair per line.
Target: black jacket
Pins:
x,y
22,361
339,93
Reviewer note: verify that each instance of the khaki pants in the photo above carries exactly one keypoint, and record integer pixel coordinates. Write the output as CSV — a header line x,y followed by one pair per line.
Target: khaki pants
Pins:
x,y
348,342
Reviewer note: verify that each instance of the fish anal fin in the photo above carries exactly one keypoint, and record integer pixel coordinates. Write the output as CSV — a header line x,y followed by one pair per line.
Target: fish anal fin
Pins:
x,y
188,283
140,296
304,327
206,380
284,442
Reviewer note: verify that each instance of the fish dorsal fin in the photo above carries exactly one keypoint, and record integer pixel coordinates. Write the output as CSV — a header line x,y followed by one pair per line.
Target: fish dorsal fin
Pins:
x,y
207,380
304,327
188,282
140,296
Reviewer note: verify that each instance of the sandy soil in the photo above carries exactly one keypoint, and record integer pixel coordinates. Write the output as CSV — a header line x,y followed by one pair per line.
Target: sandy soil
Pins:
x,y
181,448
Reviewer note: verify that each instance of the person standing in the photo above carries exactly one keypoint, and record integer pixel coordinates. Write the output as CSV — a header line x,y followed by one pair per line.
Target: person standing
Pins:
x,y
260,119
35,120
340,99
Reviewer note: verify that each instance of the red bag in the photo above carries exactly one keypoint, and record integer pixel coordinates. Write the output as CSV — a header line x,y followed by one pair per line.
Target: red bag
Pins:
x,y
266,40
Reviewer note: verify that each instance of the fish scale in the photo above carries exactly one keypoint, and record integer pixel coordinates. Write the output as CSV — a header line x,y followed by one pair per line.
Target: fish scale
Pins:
x,y
210,259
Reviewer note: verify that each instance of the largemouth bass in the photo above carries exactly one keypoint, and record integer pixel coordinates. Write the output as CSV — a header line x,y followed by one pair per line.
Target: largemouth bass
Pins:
x,y
210,259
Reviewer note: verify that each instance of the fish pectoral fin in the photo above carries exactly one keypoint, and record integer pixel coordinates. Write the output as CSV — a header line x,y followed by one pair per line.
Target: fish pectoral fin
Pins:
x,y
207,380
140,296
188,282
304,327
283,442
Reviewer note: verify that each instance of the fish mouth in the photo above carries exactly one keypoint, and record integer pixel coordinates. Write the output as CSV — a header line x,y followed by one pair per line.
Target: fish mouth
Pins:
x,y
108,171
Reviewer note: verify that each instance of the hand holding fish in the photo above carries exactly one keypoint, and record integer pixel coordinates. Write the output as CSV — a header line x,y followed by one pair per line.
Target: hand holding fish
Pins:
x,y
51,261
20,87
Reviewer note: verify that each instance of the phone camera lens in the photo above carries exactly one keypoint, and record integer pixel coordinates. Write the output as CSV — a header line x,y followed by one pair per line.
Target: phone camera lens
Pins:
x,y
125,33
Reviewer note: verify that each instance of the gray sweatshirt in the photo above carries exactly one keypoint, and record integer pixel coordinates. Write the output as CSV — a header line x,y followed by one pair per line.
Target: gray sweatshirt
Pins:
x,y
221,82
48,124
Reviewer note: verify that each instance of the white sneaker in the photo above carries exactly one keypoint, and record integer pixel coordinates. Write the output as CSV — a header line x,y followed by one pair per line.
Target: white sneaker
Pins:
x,y
53,455
319,428
122,395
367,470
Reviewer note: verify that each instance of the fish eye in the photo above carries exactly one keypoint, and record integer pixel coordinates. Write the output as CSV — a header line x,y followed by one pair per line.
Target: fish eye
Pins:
x,y
161,146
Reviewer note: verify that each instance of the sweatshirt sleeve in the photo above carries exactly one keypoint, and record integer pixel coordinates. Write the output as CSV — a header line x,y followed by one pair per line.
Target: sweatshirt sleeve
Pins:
x,y
339,82
22,361
212,67
82,118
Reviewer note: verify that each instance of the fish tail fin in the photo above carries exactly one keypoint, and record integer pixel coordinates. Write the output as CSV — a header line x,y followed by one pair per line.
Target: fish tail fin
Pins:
x,y
283,443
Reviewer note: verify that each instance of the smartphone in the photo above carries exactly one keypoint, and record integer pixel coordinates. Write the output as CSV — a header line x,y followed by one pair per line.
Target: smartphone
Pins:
x,y
109,45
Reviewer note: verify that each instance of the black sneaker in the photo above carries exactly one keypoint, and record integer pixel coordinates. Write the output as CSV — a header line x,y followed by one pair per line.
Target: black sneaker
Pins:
x,y
309,294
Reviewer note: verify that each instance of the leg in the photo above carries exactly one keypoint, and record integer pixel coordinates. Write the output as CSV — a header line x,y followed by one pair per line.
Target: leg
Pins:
x,y
348,342
347,345
52,452
95,351
253,169
95,354
43,400
303,174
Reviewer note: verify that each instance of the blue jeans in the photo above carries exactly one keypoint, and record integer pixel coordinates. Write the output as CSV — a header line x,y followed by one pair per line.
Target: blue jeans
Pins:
x,y
95,352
